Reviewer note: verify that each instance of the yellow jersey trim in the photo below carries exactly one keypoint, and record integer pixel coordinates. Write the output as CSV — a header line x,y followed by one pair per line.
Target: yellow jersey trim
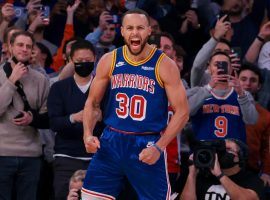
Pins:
x,y
160,82
113,63
140,62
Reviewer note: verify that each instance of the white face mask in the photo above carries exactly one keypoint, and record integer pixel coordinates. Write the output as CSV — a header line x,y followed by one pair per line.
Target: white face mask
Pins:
x,y
130,4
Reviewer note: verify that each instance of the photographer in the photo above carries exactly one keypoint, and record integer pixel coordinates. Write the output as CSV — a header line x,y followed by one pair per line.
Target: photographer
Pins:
x,y
228,178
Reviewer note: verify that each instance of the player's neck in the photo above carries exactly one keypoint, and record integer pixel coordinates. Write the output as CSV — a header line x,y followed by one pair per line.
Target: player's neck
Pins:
x,y
143,55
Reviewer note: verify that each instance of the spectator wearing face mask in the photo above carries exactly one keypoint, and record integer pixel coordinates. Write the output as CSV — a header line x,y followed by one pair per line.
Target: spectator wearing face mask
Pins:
x,y
65,105
227,179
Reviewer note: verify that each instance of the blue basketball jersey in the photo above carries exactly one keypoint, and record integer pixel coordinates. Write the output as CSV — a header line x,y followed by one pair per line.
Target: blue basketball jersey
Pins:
x,y
219,118
137,100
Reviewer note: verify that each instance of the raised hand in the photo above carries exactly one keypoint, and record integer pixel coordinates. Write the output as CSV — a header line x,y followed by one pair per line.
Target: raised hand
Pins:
x,y
218,78
73,194
192,18
222,27
103,19
73,8
7,12
216,170
235,61
265,30
33,5
235,83
18,71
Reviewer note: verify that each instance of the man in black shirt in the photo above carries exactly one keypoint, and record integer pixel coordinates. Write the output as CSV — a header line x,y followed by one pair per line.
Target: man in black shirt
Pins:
x,y
227,180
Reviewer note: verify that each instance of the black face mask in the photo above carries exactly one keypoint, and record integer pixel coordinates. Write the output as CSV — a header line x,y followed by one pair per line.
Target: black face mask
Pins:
x,y
84,69
226,161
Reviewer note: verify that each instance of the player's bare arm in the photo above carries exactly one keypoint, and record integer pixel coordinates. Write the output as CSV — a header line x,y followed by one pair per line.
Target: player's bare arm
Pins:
x,y
176,94
92,110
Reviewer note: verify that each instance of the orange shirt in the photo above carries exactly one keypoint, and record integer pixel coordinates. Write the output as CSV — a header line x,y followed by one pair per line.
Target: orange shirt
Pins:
x,y
58,60
258,141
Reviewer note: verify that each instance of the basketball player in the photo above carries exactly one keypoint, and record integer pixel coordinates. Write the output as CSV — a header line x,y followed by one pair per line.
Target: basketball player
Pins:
x,y
141,81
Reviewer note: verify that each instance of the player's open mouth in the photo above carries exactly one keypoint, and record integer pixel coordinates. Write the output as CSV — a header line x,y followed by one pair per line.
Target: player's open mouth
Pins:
x,y
135,43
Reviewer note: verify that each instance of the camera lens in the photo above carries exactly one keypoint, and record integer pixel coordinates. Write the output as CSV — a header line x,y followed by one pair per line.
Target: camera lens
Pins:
x,y
204,158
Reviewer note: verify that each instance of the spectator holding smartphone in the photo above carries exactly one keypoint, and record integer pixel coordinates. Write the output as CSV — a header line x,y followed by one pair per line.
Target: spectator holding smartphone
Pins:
x,y
221,108
75,185
37,24
103,36
25,91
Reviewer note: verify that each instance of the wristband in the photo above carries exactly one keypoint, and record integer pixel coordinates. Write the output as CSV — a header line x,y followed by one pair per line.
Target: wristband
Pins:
x,y
71,119
220,176
242,96
260,39
209,88
158,148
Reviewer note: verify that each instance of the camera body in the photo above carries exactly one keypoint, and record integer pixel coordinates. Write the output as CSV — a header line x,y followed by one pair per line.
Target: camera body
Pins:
x,y
204,153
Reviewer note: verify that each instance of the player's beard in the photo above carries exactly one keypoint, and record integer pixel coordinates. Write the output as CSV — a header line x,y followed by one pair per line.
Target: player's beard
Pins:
x,y
142,46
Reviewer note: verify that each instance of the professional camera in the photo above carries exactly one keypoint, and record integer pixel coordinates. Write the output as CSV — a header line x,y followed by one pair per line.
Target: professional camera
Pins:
x,y
204,153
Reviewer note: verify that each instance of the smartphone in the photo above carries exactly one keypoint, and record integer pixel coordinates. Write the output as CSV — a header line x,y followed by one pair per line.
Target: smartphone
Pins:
x,y
222,13
16,61
19,115
237,51
79,194
223,66
115,18
19,11
70,2
45,12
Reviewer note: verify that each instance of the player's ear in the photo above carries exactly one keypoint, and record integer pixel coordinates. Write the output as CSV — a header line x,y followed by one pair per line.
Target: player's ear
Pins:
x,y
150,30
122,31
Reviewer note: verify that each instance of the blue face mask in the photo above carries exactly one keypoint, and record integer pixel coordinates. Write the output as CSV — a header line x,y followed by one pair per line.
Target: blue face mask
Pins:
x,y
84,69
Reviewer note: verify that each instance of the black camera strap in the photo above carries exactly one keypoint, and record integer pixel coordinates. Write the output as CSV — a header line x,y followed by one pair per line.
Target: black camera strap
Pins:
x,y
8,70
40,121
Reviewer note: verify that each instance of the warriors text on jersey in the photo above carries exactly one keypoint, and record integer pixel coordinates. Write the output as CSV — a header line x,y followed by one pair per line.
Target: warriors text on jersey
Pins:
x,y
137,100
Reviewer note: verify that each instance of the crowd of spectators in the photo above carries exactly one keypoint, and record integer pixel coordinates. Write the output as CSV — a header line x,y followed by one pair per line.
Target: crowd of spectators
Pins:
x,y
58,44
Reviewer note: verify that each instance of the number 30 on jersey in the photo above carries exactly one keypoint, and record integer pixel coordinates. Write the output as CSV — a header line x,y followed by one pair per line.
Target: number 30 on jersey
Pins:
x,y
134,106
